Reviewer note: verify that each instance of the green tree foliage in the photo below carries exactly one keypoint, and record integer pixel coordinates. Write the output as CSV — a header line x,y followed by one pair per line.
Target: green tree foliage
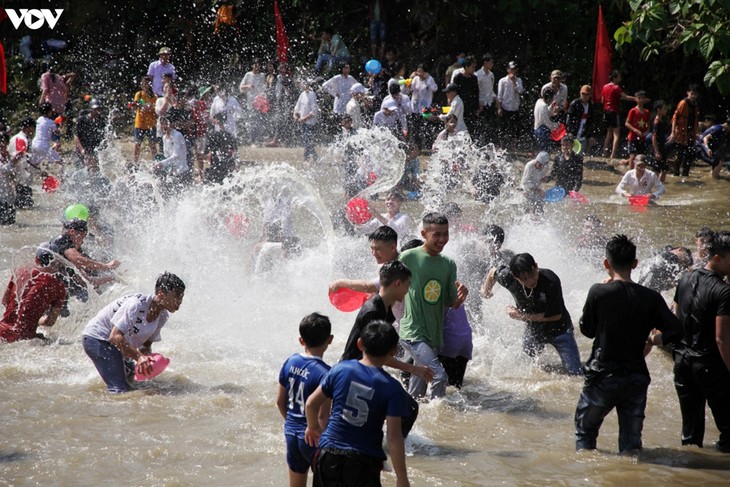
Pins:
x,y
696,27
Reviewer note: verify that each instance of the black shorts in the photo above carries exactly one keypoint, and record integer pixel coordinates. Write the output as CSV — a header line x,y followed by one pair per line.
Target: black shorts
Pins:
x,y
637,146
341,467
612,119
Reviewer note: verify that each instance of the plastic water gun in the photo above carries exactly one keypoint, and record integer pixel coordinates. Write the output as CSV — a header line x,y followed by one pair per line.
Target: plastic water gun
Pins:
x,y
405,82
429,111
59,120
134,105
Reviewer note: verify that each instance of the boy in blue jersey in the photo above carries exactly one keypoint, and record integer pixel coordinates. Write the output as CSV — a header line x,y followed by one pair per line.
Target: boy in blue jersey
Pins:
x,y
299,377
363,397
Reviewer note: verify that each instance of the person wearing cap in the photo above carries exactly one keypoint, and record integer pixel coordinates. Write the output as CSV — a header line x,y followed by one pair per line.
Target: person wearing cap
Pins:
x,y
545,120
535,174
90,134
68,245
509,91
24,169
579,120
391,117
34,297
306,114
145,119
353,109
560,91
160,67
339,87
714,146
457,107
640,181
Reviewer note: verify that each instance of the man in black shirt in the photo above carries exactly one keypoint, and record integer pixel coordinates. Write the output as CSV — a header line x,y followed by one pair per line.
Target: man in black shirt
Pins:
x,y
702,359
619,315
469,92
90,133
539,302
395,280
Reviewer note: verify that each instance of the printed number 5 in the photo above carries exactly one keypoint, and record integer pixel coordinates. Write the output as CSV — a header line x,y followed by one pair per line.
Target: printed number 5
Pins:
x,y
356,400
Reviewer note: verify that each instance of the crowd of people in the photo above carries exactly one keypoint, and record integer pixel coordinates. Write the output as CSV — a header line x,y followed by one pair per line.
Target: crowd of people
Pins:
x,y
417,317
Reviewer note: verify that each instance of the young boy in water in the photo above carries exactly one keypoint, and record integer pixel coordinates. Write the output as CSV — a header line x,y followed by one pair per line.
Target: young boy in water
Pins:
x,y
363,397
299,377
638,123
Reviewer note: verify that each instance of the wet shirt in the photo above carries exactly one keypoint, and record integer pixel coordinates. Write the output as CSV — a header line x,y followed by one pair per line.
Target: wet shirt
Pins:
x,y
701,296
40,292
300,376
145,117
129,315
611,94
545,298
619,316
373,309
362,397
719,137
432,290
90,131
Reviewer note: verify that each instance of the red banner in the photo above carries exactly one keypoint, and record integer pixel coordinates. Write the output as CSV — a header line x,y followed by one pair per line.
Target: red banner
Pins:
x,y
602,58
282,41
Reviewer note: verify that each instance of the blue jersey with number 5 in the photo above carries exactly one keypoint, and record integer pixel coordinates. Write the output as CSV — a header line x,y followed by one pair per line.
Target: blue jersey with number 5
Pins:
x,y
362,397
300,375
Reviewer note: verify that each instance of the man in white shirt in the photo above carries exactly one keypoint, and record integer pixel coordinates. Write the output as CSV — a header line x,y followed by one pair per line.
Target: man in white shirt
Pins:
x,y
400,222
124,330
560,91
339,87
509,91
640,181
487,98
457,107
174,167
306,113
544,124
223,102
160,67
535,174
253,85
391,117
353,108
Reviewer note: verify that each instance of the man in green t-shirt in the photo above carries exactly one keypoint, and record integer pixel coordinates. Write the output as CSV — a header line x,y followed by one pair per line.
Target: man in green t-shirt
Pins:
x,y
433,289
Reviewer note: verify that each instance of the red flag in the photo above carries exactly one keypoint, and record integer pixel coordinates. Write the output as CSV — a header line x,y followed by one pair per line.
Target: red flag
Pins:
x,y
602,58
282,41
3,72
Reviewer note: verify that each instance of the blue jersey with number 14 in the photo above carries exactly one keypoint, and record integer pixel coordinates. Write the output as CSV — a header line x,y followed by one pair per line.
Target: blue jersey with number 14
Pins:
x,y
300,375
362,397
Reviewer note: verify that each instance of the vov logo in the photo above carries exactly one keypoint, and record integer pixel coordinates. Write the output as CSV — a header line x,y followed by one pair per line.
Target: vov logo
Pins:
x,y
33,18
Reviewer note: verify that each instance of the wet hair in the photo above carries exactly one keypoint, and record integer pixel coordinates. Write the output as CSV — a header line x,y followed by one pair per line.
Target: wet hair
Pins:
x,y
567,138
686,259
620,252
396,195
393,271
394,89
487,57
27,122
76,224
522,264
496,233
640,93
378,338
45,254
451,210
434,218
315,329
719,244
411,244
705,234
44,108
168,282
383,234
